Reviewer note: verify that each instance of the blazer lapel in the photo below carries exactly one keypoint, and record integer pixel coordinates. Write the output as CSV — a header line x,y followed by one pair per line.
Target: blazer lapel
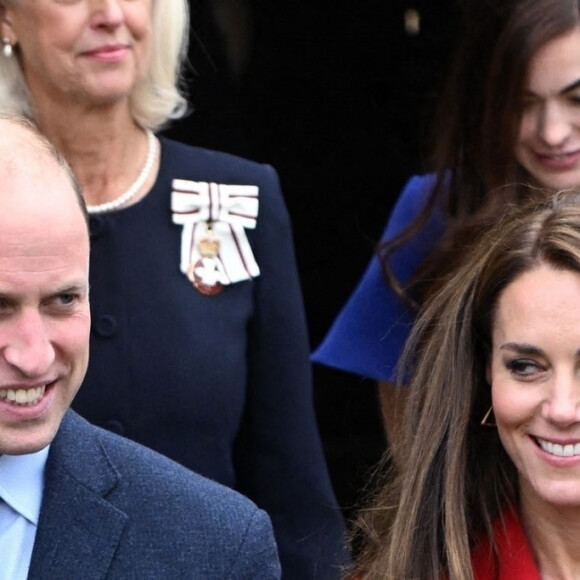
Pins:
x,y
78,530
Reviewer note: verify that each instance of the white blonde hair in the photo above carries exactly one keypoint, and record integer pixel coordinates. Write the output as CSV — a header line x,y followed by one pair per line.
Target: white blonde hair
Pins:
x,y
156,100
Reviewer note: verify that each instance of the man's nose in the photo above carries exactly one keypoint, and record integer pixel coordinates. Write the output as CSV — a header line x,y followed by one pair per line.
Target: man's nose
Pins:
x,y
28,347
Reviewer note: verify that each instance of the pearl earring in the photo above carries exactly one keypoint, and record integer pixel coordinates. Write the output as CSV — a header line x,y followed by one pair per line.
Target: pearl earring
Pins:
x,y
6,48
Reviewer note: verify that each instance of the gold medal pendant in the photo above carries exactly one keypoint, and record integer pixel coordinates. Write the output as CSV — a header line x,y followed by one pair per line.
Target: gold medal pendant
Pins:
x,y
215,251
206,273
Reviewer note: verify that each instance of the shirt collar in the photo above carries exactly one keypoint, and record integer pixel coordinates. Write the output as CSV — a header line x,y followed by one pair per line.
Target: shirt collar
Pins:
x,y
22,482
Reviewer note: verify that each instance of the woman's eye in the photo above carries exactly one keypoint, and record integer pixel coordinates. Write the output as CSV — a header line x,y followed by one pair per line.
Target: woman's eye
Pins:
x,y
523,367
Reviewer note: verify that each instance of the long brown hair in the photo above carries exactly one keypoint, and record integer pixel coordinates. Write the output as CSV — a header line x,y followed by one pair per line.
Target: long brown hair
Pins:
x,y
476,124
456,477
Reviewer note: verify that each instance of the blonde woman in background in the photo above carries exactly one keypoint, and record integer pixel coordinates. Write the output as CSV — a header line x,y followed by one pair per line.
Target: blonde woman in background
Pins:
x,y
198,346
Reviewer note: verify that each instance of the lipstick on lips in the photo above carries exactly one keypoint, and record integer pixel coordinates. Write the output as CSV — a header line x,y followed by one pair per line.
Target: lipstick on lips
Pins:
x,y
558,161
560,449
559,452
108,52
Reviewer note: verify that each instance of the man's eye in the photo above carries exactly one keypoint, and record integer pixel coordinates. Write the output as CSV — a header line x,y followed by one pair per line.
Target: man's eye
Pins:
x,y
66,299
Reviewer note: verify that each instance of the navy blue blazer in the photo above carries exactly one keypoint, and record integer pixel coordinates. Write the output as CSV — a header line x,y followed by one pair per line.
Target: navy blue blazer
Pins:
x,y
221,384
113,509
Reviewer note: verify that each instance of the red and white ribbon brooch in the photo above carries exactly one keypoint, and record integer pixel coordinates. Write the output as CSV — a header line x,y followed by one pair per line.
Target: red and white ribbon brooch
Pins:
x,y
215,251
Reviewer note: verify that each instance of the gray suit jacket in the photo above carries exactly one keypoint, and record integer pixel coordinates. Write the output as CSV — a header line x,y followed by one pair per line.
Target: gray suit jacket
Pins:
x,y
115,510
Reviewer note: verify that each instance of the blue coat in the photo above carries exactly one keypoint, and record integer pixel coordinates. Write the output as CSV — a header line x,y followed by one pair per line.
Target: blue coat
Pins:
x,y
113,510
369,333
220,384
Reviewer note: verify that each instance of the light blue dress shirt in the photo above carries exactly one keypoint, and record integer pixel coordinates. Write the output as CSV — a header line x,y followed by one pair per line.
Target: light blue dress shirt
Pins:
x,y
21,487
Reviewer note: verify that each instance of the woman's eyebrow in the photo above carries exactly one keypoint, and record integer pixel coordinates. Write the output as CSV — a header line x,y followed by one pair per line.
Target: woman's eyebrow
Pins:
x,y
570,87
522,348
567,89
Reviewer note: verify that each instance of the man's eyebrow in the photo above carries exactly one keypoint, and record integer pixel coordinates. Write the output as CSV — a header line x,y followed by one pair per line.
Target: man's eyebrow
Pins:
x,y
65,288
72,287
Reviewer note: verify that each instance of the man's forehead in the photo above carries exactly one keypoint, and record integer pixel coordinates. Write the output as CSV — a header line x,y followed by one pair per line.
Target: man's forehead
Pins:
x,y
34,187
41,254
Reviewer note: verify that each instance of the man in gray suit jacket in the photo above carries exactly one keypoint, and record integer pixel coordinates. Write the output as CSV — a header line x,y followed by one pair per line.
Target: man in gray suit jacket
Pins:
x,y
75,501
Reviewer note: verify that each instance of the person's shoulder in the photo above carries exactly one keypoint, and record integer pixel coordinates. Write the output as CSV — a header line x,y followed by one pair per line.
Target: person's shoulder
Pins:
x,y
409,204
173,520
146,476
216,165
415,193
143,468
193,163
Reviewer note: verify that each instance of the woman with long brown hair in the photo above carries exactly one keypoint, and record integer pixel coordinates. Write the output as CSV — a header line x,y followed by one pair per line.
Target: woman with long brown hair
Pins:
x,y
490,485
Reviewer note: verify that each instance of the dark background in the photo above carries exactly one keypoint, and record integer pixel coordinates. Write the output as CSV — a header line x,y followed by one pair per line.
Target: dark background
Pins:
x,y
336,96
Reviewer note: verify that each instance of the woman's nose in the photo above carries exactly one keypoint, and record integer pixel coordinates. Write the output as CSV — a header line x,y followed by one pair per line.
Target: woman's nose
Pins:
x,y
553,126
562,405
107,14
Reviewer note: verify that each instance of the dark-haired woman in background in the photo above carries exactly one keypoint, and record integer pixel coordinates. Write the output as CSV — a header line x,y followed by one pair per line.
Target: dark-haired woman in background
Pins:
x,y
510,114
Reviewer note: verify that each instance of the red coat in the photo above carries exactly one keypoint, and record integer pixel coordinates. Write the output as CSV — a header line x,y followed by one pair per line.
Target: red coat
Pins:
x,y
516,560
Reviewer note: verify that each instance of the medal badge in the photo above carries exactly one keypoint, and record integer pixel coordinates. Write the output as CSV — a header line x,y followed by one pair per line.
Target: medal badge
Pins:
x,y
207,274
215,251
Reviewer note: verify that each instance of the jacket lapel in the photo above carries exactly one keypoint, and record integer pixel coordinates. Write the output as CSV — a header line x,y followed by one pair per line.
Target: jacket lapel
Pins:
x,y
78,529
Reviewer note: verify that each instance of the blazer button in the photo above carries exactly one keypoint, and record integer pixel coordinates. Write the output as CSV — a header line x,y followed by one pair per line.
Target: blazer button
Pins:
x,y
114,426
97,226
106,326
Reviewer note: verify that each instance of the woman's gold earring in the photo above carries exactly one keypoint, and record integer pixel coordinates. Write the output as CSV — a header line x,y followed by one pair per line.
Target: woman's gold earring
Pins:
x,y
7,47
485,422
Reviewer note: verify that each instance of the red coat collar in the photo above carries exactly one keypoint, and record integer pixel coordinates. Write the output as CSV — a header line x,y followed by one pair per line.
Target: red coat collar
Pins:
x,y
515,556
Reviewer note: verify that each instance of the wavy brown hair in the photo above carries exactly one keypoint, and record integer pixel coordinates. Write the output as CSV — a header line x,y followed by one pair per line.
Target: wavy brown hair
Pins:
x,y
476,124
456,477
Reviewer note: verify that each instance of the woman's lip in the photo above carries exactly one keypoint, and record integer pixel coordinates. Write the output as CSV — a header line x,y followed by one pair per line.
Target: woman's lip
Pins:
x,y
558,451
108,52
106,48
558,440
558,161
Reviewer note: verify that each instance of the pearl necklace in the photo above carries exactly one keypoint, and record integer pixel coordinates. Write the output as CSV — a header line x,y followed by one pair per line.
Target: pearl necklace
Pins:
x,y
136,185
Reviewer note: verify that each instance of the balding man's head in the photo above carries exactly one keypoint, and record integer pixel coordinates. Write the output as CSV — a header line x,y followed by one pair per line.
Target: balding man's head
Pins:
x,y
44,308
22,144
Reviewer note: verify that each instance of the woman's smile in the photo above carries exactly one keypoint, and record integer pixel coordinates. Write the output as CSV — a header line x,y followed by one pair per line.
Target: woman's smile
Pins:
x,y
535,381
